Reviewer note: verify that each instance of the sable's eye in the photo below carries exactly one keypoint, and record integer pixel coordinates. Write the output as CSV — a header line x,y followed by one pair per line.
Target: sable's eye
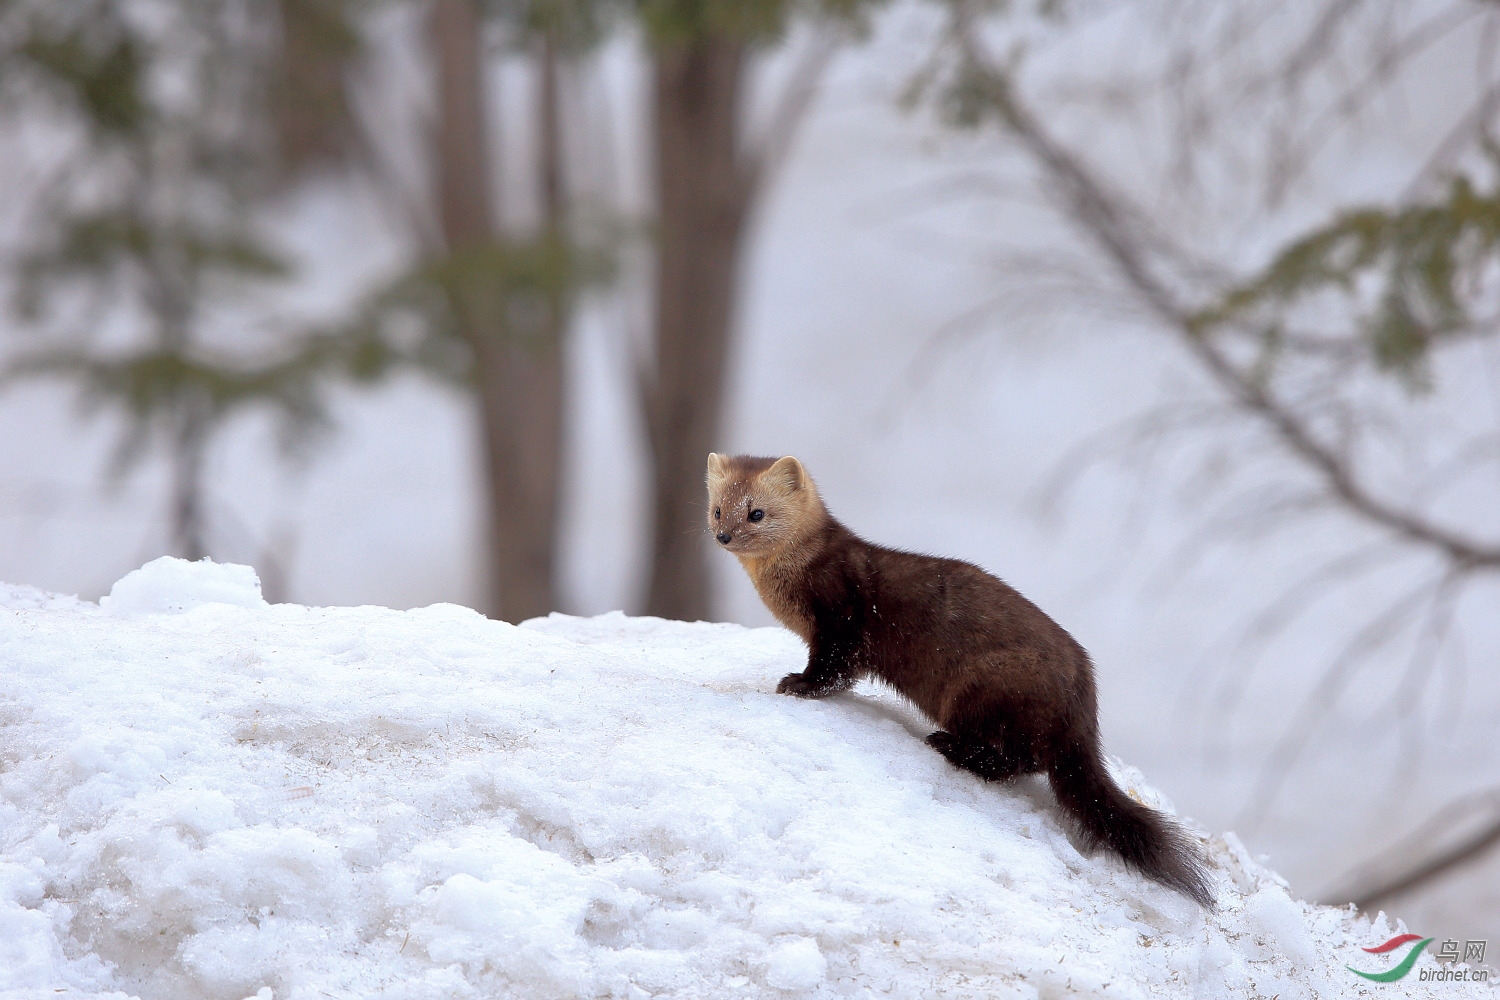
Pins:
x,y
756,515
716,513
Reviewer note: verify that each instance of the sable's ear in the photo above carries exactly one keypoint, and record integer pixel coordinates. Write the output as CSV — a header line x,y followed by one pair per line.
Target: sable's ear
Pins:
x,y
786,474
718,469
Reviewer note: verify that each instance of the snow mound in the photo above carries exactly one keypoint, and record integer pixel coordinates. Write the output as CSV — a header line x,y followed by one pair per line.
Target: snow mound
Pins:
x,y
169,585
251,800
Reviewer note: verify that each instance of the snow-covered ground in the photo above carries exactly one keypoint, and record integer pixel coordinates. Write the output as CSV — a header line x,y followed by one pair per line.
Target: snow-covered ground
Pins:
x,y
204,795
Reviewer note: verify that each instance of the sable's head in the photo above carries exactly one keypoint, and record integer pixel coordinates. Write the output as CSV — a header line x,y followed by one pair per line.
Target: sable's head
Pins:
x,y
758,505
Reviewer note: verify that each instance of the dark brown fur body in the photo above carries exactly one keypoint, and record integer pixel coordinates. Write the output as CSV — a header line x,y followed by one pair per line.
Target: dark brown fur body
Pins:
x,y
1012,691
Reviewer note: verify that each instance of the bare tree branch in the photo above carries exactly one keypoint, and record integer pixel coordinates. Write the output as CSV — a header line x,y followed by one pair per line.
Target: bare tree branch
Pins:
x,y
1295,152
1318,41
1468,851
1380,631
1295,601
1106,219
764,154
1375,882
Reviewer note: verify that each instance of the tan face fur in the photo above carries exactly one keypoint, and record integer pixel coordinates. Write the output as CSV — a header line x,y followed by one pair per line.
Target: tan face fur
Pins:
x,y
758,506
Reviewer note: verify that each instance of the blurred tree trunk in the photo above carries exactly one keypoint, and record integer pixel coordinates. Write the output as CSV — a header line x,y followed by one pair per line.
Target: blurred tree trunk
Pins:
x,y
703,193
189,443
308,97
517,356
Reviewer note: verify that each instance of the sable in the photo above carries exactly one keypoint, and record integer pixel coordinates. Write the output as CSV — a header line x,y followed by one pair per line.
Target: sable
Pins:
x,y
1012,690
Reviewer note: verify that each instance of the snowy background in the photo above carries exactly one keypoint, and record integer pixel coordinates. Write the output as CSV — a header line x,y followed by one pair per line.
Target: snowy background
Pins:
x,y
142,731
207,796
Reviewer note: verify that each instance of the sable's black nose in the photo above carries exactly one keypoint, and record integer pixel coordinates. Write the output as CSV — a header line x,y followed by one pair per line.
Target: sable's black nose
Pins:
x,y
723,537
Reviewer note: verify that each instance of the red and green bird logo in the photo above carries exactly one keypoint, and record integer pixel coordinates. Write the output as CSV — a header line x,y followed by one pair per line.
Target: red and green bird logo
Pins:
x,y
1401,968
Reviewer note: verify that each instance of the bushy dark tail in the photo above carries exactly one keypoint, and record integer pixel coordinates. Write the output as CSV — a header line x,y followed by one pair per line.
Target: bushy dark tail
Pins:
x,y
1149,842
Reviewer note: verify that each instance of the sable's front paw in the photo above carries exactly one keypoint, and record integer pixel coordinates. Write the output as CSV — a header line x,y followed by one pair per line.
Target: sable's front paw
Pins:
x,y
943,742
796,684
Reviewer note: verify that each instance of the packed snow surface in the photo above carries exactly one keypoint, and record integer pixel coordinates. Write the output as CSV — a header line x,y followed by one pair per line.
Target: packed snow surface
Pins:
x,y
203,795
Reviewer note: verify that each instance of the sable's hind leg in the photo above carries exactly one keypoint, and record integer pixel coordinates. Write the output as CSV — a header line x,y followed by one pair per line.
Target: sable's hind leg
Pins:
x,y
976,756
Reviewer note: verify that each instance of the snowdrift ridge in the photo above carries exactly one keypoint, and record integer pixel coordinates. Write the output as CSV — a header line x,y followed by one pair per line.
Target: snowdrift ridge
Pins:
x,y
202,795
